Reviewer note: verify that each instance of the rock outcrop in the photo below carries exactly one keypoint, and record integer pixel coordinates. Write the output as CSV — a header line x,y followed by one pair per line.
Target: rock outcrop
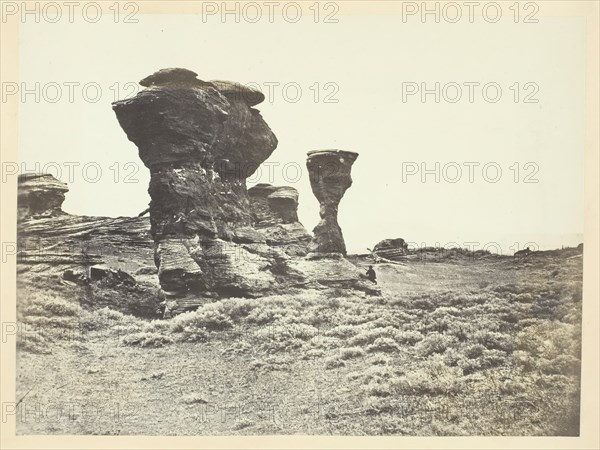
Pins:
x,y
208,236
214,237
40,195
392,249
101,261
275,212
329,172
201,140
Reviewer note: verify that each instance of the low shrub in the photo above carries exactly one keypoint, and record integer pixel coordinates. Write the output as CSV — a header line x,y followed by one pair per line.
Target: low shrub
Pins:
x,y
192,334
409,337
370,336
434,378
435,343
334,362
146,340
494,340
194,398
383,344
351,352
33,342
52,307
210,317
380,360
100,319
342,331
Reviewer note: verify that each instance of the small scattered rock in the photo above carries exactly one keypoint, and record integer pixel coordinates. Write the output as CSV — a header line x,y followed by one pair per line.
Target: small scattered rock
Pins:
x,y
76,276
101,271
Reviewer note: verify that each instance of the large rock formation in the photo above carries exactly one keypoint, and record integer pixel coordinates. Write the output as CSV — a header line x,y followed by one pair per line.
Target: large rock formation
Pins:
x,y
329,172
207,235
213,236
40,195
201,140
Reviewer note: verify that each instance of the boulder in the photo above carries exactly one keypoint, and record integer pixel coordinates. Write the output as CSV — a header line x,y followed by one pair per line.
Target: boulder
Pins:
x,y
76,276
392,249
103,272
273,204
67,248
171,77
523,253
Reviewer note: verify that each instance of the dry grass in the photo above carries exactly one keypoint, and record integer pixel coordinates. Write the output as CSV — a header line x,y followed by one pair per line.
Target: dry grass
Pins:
x,y
457,348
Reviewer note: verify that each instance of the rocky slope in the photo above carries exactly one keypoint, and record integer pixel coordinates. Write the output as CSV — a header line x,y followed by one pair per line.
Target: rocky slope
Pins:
x,y
103,261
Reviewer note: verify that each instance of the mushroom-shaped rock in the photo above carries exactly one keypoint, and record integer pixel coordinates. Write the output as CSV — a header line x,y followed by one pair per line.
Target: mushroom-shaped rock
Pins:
x,y
329,172
200,143
40,194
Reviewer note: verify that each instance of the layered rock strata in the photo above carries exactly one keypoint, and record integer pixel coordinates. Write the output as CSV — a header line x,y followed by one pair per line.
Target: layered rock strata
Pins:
x,y
275,212
40,195
100,261
392,249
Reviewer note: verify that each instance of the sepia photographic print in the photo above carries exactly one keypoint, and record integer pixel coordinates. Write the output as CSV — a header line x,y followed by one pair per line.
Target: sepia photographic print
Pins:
x,y
299,224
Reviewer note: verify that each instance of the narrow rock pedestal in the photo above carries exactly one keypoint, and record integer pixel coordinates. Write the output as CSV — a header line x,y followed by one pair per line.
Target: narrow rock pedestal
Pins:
x,y
329,172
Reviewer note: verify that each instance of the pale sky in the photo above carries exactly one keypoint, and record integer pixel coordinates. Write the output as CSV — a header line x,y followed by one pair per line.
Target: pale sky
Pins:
x,y
367,58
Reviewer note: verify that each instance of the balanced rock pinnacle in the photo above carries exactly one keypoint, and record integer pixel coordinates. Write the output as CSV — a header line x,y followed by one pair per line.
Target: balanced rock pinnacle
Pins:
x,y
201,140
329,172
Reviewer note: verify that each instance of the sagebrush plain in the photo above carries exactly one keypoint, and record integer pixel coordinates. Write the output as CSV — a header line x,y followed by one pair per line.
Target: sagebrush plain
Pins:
x,y
468,345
